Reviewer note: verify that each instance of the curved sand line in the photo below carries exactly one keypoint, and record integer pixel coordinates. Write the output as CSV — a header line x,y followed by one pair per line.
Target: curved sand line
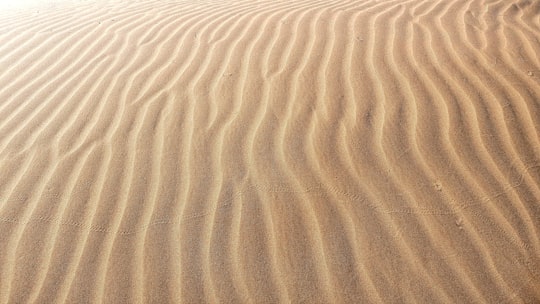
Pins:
x,y
270,151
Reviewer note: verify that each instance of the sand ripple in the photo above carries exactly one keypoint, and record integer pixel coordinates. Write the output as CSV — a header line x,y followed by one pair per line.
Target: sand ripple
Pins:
x,y
270,151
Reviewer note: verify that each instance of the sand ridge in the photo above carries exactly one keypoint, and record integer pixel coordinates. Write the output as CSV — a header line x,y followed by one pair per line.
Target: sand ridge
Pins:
x,y
270,152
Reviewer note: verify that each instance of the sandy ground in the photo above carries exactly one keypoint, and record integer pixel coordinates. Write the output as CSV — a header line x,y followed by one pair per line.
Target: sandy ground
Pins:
x,y
270,152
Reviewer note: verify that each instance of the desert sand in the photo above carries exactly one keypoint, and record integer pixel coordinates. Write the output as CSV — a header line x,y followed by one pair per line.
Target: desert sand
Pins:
x,y
270,152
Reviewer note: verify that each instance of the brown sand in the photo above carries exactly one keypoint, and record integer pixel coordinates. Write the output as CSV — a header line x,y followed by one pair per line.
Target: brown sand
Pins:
x,y
270,151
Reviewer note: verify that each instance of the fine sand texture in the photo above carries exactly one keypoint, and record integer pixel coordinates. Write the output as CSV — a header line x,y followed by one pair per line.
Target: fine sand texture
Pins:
x,y
368,151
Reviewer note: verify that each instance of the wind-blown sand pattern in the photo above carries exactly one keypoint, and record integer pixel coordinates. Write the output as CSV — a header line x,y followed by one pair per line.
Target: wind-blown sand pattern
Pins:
x,y
270,152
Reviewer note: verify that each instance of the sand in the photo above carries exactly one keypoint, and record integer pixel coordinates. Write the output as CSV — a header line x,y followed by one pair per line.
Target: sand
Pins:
x,y
270,152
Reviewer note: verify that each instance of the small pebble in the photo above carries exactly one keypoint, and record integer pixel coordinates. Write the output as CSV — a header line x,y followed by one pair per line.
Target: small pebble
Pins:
x,y
530,73
459,223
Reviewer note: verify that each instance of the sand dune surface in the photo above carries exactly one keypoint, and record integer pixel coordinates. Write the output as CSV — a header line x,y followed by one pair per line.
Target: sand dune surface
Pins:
x,y
235,151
